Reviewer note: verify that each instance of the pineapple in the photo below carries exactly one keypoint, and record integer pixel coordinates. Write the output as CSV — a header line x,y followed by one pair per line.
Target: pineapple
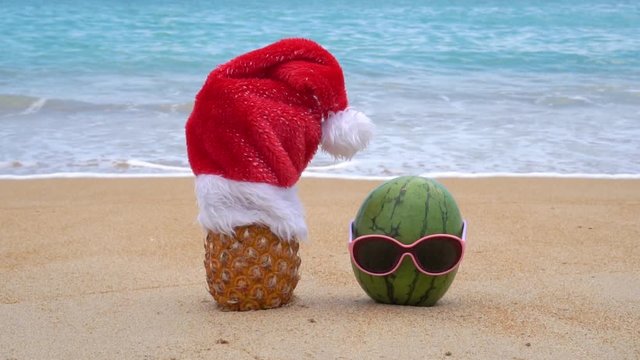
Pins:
x,y
251,270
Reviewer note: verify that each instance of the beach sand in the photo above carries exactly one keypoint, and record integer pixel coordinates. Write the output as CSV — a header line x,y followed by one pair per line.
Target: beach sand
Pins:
x,y
112,268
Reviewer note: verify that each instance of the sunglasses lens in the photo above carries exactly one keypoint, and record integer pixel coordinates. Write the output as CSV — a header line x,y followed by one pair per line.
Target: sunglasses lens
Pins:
x,y
376,255
438,255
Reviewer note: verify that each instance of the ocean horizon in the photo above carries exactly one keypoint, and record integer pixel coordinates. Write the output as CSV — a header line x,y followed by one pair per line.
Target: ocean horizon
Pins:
x,y
462,89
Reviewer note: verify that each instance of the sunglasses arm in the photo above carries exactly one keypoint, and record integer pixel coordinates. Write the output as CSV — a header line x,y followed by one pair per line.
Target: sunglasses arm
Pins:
x,y
464,231
351,224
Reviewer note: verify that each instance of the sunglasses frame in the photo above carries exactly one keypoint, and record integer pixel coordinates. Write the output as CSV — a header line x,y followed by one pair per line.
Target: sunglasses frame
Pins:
x,y
406,250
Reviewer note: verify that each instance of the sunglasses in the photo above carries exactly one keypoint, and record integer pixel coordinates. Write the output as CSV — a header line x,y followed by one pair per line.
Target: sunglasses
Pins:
x,y
381,255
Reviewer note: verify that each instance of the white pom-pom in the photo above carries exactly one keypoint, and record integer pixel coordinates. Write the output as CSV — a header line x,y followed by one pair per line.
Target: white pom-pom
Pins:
x,y
346,132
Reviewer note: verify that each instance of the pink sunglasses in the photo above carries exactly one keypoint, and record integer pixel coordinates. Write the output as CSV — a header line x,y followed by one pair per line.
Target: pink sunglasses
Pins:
x,y
381,255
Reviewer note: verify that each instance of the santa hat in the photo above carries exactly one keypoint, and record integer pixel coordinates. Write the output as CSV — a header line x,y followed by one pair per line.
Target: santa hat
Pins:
x,y
256,124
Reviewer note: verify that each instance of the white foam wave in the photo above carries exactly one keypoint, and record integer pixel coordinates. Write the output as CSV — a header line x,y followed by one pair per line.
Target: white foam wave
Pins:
x,y
88,175
150,165
460,175
340,165
564,100
35,106
319,175
12,104
531,175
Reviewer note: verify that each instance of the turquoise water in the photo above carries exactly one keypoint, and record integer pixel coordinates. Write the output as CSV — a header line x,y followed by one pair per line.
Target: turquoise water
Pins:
x,y
510,87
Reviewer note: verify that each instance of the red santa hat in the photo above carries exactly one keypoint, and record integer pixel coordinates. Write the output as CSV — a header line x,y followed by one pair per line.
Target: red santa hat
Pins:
x,y
256,124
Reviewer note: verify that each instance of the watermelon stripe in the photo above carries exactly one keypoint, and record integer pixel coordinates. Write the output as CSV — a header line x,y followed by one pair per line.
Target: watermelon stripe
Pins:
x,y
398,199
412,287
374,226
394,231
427,202
444,214
426,295
388,280
440,286
377,290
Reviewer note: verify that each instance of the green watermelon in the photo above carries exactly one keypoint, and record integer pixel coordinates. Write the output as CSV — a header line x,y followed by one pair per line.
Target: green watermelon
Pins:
x,y
407,208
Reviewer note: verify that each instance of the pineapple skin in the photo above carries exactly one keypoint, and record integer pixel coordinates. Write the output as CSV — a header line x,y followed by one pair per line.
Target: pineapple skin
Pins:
x,y
251,270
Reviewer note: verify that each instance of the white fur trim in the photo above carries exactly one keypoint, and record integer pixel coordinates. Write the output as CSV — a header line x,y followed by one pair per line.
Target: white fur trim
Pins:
x,y
345,133
225,204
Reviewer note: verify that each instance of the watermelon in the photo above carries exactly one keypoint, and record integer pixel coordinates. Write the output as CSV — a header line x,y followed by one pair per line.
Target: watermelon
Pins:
x,y
407,208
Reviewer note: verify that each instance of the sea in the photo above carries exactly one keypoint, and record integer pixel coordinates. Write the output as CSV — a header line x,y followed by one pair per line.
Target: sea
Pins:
x,y
456,88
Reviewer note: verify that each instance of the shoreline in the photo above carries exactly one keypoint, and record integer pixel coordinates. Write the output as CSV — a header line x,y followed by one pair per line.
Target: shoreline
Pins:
x,y
106,268
328,176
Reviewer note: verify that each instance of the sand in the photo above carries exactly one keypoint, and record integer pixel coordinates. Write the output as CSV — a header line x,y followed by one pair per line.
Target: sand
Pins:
x,y
112,268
